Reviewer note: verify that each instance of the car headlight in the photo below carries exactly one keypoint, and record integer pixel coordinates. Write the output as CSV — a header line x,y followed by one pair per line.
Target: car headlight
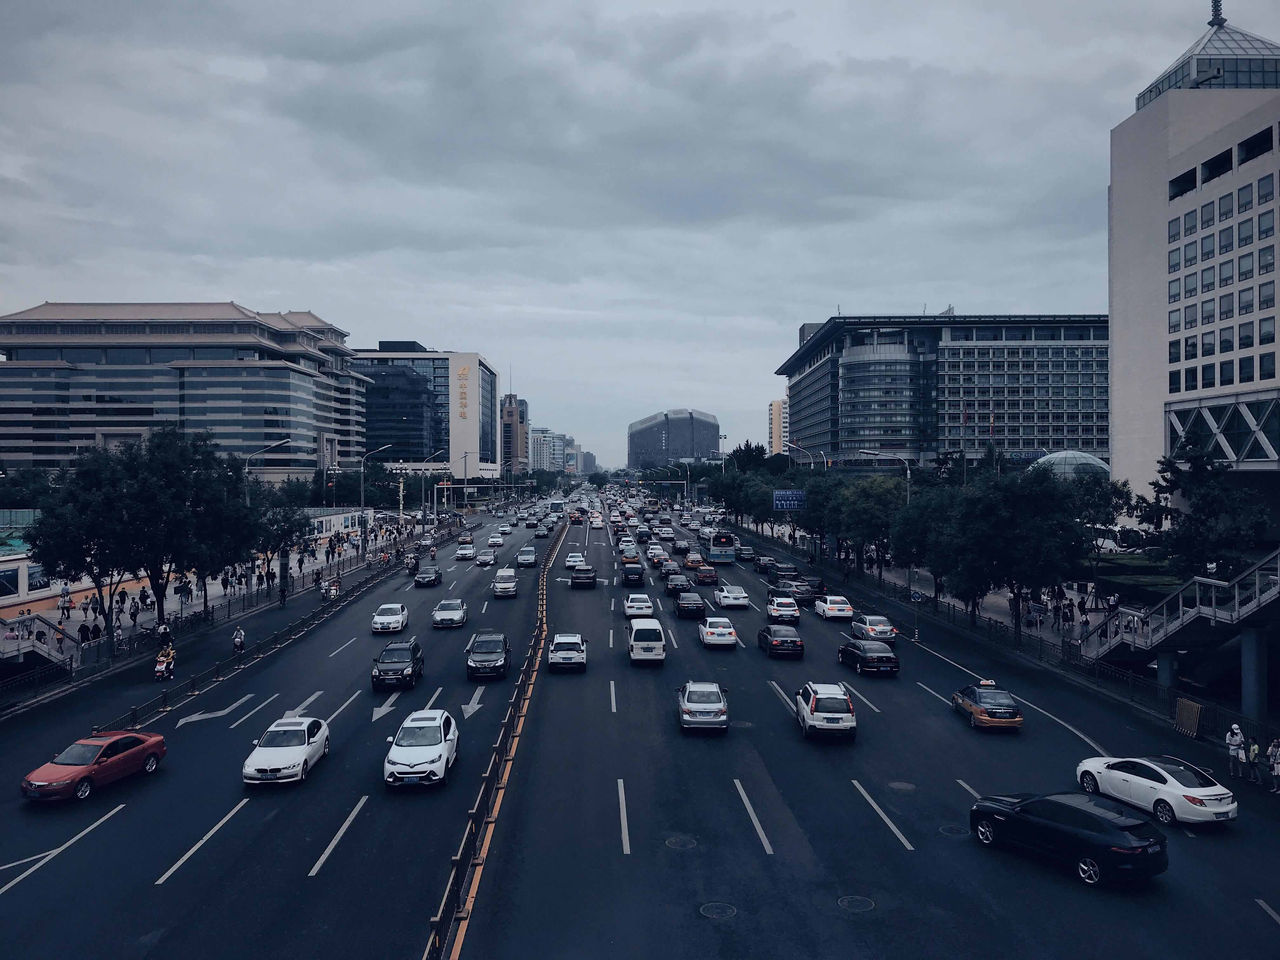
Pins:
x,y
406,671
292,766
375,671
471,663
56,783
394,763
437,758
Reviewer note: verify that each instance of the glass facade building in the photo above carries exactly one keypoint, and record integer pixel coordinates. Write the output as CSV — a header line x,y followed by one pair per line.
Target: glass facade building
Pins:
x,y
672,435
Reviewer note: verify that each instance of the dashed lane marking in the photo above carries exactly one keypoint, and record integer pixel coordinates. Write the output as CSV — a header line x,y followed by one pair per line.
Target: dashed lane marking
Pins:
x,y
343,647
622,818
883,816
972,792
344,706
755,821
849,689
934,692
336,837
786,701
253,711
200,843
613,700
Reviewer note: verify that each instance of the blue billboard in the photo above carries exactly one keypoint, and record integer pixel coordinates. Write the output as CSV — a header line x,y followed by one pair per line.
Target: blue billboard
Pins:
x,y
786,500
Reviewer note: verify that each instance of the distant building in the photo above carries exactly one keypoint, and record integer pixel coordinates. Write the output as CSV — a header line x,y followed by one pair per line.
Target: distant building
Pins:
x,y
78,375
539,448
672,435
779,426
570,454
587,463
515,435
453,407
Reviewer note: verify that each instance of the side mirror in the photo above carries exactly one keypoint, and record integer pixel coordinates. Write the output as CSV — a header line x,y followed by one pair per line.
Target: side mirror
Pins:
x,y
391,739
255,743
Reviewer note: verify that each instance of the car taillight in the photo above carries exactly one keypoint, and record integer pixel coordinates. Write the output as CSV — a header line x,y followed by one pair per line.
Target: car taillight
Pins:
x,y
850,703
1126,849
1195,801
775,641
733,633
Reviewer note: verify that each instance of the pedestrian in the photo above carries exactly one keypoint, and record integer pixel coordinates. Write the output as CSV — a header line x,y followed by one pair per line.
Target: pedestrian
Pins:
x,y
1057,614
96,632
226,584
1235,751
1273,761
1252,751
83,633
239,582
1082,607
299,564
260,579
84,608
60,635
133,613
93,606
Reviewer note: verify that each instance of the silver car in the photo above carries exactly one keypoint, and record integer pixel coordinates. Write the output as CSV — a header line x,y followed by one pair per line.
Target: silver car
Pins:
x,y
702,705
449,613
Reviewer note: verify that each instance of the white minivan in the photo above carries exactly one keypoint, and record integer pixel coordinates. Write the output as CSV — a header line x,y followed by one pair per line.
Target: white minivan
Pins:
x,y
504,583
646,641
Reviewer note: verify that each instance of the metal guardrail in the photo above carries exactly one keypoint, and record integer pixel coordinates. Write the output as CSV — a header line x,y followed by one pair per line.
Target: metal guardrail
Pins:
x,y
454,907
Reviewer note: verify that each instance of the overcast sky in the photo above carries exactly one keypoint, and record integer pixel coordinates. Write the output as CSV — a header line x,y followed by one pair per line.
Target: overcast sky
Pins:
x,y
629,206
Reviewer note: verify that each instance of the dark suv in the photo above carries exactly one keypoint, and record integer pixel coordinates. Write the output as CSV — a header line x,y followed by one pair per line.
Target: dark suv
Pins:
x,y
763,563
632,572
583,578
741,552
488,655
400,664
778,572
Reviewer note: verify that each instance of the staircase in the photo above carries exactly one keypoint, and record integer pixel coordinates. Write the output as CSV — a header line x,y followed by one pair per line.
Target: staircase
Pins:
x,y
1215,600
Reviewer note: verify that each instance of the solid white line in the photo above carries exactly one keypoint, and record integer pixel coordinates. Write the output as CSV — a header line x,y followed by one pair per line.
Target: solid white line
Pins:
x,y
755,821
849,687
610,639
845,635
343,647
753,606
786,702
934,692
253,711
336,837
18,863
651,581
613,701
484,606
451,569
201,842
343,707
622,816
452,585
433,698
883,816
672,637
57,850
974,793
1102,751
1262,903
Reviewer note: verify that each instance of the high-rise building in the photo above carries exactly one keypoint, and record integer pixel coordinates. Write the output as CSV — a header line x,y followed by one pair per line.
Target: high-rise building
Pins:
x,y
570,454
914,386
672,435
1192,212
460,391
515,435
76,375
779,426
587,463
539,448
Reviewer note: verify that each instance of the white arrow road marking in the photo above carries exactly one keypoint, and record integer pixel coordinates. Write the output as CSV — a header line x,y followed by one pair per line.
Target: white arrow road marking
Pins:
x,y
336,837
215,713
253,711
382,711
18,863
297,712
469,708
56,850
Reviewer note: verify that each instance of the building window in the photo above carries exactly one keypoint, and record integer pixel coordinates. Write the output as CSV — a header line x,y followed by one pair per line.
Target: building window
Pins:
x,y
1206,246
1206,344
1175,230
1206,215
1266,260
1189,222
1245,269
1226,339
1189,348
1246,369
1189,254
1266,331
1175,351
1267,295
1226,306
1244,198
1207,312
1226,240
1266,188
1226,273
1244,232
1206,375
1189,285
1206,280
1175,260
1267,366
1245,334
1189,378
1189,315
1175,291
1246,302
1175,320
1175,381
1226,208
1227,373
1266,224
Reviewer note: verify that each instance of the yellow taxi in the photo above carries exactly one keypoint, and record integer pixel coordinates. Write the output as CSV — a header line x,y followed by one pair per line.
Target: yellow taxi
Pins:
x,y
693,561
987,705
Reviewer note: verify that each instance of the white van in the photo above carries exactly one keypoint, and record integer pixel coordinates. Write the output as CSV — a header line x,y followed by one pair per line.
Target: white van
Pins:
x,y
504,583
646,641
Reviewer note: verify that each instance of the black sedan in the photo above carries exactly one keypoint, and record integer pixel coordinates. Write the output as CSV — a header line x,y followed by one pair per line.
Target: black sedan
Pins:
x,y
680,548
668,569
1099,838
868,656
689,605
428,576
677,584
776,640
762,563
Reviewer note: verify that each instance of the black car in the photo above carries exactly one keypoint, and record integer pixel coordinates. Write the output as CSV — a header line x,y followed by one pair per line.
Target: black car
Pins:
x,y
1098,837
583,577
778,640
488,655
428,576
679,548
800,591
677,584
400,664
816,584
763,563
778,572
706,576
575,520
486,558
632,573
669,569
689,605
868,656
531,524
744,553
541,533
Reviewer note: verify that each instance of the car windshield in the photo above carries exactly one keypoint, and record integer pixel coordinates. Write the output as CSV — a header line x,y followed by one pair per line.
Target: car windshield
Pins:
x,y
1185,775
487,645
447,605
388,610
702,696
566,646
718,623
295,737
78,754
833,705
395,656
995,698
419,737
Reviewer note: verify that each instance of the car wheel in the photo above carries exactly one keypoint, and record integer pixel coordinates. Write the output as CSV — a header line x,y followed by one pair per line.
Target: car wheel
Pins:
x,y
303,774
986,832
151,763
839,655
1088,870
1164,813
84,788
1088,782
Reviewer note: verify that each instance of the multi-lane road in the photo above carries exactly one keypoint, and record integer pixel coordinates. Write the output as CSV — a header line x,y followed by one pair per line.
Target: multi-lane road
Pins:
x,y
618,836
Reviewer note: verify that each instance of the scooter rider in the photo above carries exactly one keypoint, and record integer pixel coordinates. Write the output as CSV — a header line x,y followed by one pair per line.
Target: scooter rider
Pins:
x,y
166,659
237,640
433,553
162,631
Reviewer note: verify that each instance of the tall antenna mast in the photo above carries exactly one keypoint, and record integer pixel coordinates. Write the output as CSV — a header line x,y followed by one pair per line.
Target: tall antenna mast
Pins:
x,y
1217,20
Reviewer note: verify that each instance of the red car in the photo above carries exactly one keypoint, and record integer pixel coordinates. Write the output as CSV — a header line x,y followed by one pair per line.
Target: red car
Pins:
x,y
94,762
706,576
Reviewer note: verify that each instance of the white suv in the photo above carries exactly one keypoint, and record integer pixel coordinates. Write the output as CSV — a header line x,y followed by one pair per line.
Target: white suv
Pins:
x,y
567,650
646,641
825,706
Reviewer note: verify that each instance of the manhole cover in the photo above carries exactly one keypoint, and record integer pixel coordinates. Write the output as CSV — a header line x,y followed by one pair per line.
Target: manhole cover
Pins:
x,y
740,724
681,843
718,911
856,904
901,785
953,830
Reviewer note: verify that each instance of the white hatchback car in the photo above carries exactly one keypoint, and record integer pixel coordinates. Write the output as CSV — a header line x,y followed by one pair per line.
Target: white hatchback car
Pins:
x,y
727,596
637,605
422,751
1172,789
567,651
289,749
717,632
833,607
390,617
504,528
573,561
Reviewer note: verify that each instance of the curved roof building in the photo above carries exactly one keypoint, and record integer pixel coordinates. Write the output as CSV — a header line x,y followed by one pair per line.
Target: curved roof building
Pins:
x,y
672,435
1072,464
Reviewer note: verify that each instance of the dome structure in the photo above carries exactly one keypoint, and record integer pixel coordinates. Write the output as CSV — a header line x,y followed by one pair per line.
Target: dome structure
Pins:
x,y
1071,464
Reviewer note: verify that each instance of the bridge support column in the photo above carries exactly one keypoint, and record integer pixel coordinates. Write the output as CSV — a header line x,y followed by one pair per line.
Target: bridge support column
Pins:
x,y
1166,668
1253,674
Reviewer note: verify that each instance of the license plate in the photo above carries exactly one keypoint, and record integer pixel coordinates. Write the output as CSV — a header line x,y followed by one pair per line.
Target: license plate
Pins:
x,y
646,649
832,720
32,793
410,779
1154,848
267,776
1222,816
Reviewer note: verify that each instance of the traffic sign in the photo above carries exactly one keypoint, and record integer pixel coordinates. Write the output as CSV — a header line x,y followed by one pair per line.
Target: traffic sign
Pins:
x,y
788,500
916,596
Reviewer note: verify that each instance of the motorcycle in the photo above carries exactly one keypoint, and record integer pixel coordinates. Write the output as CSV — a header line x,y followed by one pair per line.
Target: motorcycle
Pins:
x,y
237,644
164,669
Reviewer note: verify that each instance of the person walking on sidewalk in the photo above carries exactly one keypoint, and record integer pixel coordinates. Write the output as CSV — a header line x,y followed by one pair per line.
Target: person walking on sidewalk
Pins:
x,y
133,613
1251,757
1273,762
1235,751
93,606
83,633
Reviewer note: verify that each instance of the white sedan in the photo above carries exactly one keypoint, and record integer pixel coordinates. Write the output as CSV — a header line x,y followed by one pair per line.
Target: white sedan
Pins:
x,y
717,632
504,528
390,617
465,552
495,540
449,613
423,749
287,751
833,607
637,605
727,596
574,560
567,650
1172,789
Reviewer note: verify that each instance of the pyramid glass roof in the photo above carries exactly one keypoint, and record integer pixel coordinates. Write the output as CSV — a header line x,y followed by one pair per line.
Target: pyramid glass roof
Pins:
x,y
1224,57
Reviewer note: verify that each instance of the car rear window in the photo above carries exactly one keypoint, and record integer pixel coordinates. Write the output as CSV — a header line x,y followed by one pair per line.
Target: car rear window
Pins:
x,y
832,705
703,696
1184,775
566,646
877,622
647,635
996,698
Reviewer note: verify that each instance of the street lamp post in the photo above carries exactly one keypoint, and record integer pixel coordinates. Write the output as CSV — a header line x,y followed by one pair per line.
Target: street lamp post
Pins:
x,y
911,566
364,527
796,446
249,459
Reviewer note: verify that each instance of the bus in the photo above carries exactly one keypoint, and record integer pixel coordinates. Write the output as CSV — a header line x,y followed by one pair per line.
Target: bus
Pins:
x,y
557,506
720,550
